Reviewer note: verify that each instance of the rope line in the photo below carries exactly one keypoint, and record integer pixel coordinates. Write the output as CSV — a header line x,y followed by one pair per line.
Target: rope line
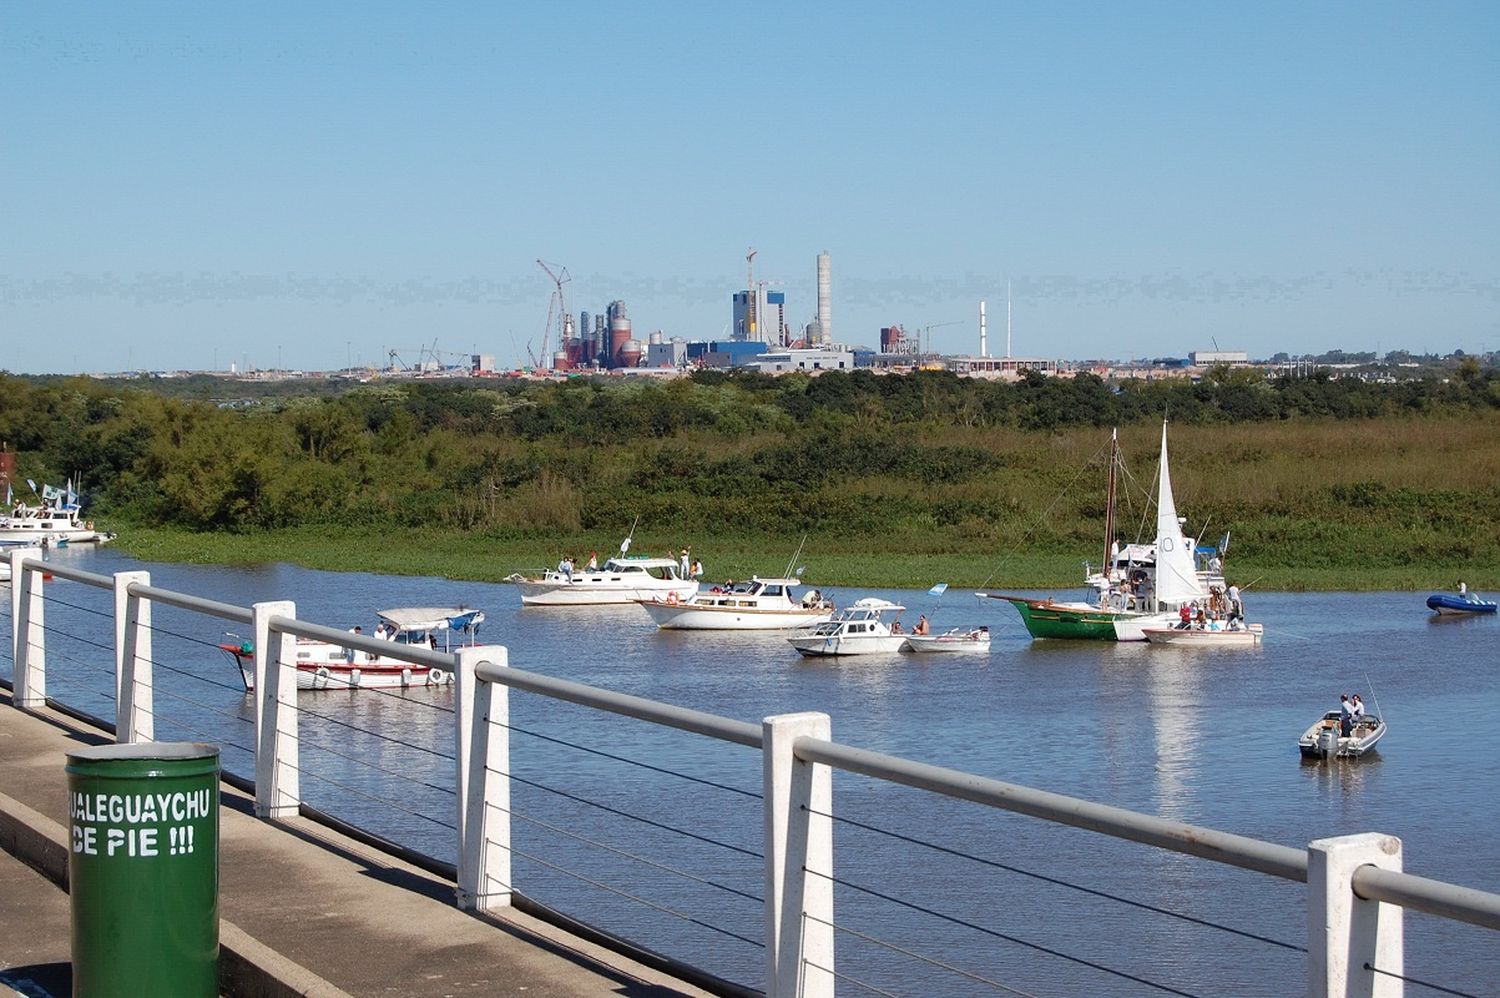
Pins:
x,y
1001,935
924,959
1061,883
633,762
1038,521
629,855
626,814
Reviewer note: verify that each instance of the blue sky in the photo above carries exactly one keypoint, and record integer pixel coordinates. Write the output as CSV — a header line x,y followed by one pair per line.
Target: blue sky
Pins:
x,y
183,185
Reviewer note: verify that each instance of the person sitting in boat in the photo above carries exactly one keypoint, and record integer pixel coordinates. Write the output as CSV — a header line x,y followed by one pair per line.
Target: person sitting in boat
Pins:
x,y
921,627
810,599
697,572
593,565
896,627
1185,615
1200,622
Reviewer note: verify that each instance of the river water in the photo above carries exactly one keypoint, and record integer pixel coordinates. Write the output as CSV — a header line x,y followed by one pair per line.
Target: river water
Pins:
x,y
1201,737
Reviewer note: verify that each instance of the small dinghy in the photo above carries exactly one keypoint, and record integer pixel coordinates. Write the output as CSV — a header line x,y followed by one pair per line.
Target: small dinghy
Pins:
x,y
1323,740
974,640
1449,604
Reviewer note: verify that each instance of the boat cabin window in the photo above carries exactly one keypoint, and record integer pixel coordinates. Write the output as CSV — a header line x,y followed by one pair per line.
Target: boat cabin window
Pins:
x,y
773,590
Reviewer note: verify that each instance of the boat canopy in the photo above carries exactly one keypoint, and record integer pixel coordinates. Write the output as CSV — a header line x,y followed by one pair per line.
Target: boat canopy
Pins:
x,y
621,562
429,618
875,603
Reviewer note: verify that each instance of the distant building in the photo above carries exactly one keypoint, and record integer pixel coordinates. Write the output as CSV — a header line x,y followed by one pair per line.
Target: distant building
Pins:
x,y
671,353
769,320
1001,368
482,363
816,359
1208,358
725,353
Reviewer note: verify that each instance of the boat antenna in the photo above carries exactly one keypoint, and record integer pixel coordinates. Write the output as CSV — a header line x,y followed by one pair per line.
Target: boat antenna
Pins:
x,y
1374,696
795,555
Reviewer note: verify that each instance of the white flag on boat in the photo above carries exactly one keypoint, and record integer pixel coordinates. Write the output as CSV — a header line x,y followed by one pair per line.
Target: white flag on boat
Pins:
x,y
938,589
51,492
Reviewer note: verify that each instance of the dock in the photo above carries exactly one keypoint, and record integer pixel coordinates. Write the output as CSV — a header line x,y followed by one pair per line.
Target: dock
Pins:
x,y
304,909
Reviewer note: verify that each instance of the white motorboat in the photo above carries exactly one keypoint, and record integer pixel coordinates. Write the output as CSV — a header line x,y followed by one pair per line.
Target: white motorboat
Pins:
x,y
957,640
46,526
757,605
325,665
1192,637
1323,740
859,629
623,579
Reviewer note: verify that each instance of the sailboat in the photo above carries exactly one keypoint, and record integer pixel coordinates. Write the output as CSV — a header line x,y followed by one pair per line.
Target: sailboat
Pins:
x,y
1140,586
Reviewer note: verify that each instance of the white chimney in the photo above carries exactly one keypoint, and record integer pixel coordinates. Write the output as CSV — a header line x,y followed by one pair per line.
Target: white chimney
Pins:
x,y
984,346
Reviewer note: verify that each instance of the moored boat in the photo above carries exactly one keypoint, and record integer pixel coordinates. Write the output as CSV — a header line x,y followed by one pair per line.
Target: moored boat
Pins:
x,y
50,525
1192,637
623,579
958,640
325,665
1465,604
1324,739
859,629
757,605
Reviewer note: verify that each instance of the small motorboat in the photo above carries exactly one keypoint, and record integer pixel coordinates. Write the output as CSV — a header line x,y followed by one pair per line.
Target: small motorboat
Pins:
x,y
1459,604
324,665
975,639
757,605
1323,740
857,630
1191,637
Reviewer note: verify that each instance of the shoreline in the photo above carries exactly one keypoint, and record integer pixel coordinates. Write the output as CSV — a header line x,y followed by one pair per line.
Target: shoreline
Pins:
x,y
475,557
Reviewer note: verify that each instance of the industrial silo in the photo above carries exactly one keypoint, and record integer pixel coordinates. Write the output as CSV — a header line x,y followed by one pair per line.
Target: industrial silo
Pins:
x,y
630,353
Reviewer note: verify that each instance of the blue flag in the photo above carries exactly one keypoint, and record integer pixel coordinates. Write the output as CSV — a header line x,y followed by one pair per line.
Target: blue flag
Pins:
x,y
938,589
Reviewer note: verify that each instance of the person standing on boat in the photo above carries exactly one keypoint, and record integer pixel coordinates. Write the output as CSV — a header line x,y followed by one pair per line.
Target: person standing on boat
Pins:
x,y
1346,715
686,564
697,572
565,568
1236,605
1356,709
593,561
1463,590
349,652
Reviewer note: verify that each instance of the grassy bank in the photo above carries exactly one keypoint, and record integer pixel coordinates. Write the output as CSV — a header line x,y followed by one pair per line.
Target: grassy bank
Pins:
x,y
459,555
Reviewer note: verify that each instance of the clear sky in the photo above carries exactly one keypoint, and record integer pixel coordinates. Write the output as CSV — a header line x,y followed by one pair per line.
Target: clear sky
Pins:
x,y
182,185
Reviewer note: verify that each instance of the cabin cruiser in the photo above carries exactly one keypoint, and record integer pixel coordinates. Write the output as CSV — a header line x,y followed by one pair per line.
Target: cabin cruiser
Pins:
x,y
757,605
1323,740
860,629
47,526
325,665
623,579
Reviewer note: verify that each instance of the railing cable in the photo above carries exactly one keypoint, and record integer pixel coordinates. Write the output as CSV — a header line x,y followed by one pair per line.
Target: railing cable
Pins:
x,y
839,976
1142,905
1419,982
626,814
923,959
954,920
633,762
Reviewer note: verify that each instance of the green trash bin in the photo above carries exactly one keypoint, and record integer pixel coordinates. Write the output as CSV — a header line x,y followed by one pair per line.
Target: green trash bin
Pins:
x,y
143,869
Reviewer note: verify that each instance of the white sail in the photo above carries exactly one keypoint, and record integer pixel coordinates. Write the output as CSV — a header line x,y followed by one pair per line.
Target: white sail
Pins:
x,y
1176,573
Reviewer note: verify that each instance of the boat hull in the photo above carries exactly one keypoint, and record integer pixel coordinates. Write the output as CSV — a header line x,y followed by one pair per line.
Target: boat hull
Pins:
x,y
848,644
589,594
1247,638
948,644
685,617
1364,737
1458,606
1077,621
386,674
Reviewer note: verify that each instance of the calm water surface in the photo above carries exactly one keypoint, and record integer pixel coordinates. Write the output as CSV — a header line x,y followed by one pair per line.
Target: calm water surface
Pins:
x,y
1200,737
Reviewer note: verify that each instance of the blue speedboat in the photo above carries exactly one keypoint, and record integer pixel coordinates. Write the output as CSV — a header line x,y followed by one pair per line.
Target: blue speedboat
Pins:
x,y
1448,603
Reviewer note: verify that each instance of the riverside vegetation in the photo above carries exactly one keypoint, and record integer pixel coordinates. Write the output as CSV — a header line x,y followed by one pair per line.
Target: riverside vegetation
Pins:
x,y
896,481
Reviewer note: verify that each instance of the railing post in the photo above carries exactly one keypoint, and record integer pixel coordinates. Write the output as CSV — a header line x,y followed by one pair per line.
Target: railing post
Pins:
x,y
1345,934
799,861
28,640
134,705
278,791
482,762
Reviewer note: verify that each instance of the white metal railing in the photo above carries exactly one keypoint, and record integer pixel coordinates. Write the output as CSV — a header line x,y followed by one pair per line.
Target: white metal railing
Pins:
x,y
1357,890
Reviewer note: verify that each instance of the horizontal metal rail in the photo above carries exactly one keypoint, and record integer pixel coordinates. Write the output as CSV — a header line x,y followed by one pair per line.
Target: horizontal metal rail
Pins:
x,y
684,719
1463,904
228,611
415,654
70,573
1222,847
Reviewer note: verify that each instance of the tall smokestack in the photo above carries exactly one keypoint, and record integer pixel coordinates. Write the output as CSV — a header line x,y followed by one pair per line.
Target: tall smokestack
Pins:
x,y
825,297
984,345
1007,319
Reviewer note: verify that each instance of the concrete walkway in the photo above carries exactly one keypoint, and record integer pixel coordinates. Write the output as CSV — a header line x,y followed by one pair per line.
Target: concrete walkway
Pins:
x,y
305,911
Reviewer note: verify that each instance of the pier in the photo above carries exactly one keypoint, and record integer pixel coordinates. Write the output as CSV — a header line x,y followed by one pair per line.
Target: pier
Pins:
x,y
337,909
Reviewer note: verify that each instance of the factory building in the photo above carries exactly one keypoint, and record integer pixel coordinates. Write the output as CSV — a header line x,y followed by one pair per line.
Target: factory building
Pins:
x,y
725,353
814,359
666,353
1208,358
767,324
1001,368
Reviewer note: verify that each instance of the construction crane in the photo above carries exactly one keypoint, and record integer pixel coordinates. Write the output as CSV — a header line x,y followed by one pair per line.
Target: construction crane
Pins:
x,y
927,334
558,305
750,303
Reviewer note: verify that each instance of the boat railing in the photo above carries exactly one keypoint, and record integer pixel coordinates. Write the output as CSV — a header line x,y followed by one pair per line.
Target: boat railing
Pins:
x,y
1357,890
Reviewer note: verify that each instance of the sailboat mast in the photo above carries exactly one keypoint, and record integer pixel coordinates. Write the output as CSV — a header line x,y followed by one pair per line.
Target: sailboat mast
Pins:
x,y
1109,503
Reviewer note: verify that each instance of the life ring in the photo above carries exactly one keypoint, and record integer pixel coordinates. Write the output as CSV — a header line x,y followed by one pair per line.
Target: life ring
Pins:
x,y
320,678
436,677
